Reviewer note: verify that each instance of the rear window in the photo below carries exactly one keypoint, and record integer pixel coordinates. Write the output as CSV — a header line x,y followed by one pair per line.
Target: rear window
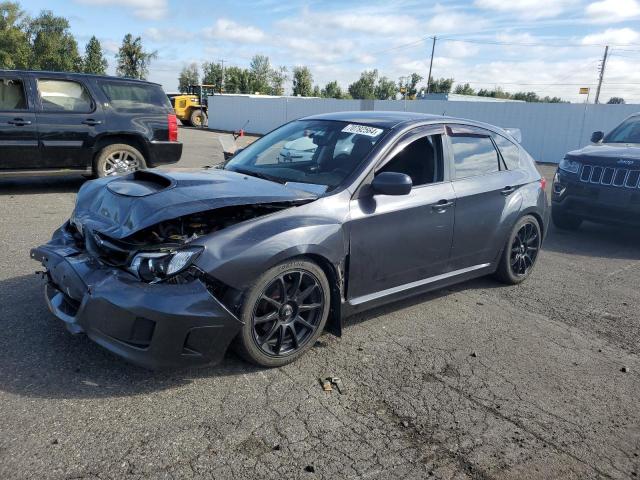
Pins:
x,y
510,152
132,98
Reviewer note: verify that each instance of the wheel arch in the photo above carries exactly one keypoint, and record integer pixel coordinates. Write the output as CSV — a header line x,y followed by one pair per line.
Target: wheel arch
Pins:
x,y
127,138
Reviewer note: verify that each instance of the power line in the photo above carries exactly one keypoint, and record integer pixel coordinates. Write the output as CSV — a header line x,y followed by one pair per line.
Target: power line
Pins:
x,y
531,44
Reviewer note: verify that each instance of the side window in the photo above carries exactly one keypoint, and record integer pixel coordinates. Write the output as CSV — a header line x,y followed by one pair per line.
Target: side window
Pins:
x,y
64,95
420,159
473,155
12,95
510,152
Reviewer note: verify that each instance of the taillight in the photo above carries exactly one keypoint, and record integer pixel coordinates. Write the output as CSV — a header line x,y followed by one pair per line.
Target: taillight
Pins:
x,y
173,127
543,183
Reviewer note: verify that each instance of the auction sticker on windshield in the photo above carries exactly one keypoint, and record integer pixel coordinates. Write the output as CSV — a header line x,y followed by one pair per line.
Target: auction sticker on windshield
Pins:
x,y
362,130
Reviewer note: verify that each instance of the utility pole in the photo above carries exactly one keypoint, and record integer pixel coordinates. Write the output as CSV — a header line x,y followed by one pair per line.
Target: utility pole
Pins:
x,y
604,63
433,48
222,77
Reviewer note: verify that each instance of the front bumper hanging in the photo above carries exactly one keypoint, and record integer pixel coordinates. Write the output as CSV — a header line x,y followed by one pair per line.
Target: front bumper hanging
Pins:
x,y
151,325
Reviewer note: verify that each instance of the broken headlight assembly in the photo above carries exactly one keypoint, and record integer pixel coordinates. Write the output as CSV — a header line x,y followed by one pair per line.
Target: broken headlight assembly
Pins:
x,y
156,266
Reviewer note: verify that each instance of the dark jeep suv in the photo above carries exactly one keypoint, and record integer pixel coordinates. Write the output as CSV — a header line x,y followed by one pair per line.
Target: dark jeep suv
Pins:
x,y
61,122
600,182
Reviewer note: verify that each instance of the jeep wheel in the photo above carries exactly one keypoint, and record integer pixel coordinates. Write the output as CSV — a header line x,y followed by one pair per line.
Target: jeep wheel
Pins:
x,y
118,159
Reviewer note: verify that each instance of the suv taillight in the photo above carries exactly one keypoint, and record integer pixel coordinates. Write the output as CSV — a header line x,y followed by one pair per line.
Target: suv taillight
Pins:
x,y
173,127
543,183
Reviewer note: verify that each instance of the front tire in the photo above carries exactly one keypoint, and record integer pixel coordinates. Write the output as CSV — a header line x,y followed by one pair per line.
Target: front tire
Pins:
x,y
563,220
520,252
198,118
283,312
118,159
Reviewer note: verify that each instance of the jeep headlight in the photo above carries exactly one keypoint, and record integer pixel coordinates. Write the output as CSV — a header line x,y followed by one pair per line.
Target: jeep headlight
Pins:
x,y
156,266
570,166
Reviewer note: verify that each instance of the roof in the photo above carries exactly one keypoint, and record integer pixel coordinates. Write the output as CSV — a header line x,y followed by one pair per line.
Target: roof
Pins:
x,y
72,74
376,118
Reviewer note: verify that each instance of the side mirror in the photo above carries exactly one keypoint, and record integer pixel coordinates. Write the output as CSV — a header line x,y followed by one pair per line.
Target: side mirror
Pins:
x,y
597,136
392,183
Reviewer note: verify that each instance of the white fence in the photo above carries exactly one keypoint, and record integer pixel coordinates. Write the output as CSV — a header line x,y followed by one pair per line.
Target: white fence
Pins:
x,y
549,130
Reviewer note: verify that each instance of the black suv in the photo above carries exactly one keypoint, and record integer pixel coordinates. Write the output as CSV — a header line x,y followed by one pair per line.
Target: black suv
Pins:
x,y
600,182
52,122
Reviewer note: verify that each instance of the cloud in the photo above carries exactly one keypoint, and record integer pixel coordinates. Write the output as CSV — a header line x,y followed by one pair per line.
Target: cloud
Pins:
x,y
226,29
444,21
531,9
145,9
616,36
613,11
168,35
367,23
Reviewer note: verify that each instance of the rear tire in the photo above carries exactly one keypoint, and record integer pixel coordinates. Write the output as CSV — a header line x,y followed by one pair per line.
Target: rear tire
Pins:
x,y
198,118
564,220
521,251
118,159
283,312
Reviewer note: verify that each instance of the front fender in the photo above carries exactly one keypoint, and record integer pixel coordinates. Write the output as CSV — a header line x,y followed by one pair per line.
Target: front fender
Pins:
x,y
237,255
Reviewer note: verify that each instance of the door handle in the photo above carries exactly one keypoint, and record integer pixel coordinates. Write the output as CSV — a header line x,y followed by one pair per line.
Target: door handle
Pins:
x,y
19,122
91,122
506,191
442,205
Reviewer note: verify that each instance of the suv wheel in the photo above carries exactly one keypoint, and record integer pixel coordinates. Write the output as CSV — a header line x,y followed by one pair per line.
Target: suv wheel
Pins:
x,y
198,118
565,221
521,251
118,159
284,312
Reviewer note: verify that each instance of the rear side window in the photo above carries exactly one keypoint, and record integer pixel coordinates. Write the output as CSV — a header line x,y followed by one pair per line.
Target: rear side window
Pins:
x,y
64,95
510,152
474,155
12,95
132,98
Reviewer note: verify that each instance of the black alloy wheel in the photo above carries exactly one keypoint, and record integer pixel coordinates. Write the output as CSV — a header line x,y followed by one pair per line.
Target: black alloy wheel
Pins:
x,y
283,313
521,251
288,313
524,249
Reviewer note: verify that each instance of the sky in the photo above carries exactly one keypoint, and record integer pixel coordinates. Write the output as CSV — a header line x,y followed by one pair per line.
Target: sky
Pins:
x,y
551,47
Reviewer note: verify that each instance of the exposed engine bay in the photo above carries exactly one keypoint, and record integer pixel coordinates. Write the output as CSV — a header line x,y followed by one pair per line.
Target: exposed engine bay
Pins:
x,y
185,229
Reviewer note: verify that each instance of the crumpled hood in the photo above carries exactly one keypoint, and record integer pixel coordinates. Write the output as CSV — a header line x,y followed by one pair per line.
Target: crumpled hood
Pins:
x,y
121,206
610,154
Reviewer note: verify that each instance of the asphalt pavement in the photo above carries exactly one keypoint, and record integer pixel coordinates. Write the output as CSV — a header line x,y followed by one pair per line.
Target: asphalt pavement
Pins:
x,y
479,381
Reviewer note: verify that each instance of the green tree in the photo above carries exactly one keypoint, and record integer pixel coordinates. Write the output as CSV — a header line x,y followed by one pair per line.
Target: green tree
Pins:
x,y
211,74
133,61
302,81
464,89
94,61
14,43
53,47
365,86
237,80
189,76
332,90
386,89
410,83
616,101
317,91
277,78
441,85
260,69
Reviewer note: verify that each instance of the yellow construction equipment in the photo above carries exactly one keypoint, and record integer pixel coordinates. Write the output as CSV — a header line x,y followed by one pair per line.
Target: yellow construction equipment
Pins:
x,y
191,106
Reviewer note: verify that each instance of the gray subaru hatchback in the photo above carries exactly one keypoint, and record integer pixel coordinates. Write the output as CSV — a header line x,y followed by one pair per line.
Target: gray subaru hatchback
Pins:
x,y
169,268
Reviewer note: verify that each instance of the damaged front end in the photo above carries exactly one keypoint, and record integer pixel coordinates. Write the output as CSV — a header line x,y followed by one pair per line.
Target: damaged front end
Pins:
x,y
130,282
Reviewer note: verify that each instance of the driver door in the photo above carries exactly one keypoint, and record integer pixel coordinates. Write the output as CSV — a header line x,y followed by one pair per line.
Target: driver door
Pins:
x,y
396,241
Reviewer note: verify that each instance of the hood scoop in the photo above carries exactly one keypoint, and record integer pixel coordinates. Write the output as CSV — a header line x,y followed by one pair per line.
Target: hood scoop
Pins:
x,y
140,184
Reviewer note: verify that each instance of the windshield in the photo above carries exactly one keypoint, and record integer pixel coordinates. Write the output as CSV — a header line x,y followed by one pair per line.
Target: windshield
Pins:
x,y
627,132
320,153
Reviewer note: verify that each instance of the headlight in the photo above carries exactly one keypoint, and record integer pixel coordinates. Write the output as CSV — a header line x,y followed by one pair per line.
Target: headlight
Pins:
x,y
570,166
155,266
